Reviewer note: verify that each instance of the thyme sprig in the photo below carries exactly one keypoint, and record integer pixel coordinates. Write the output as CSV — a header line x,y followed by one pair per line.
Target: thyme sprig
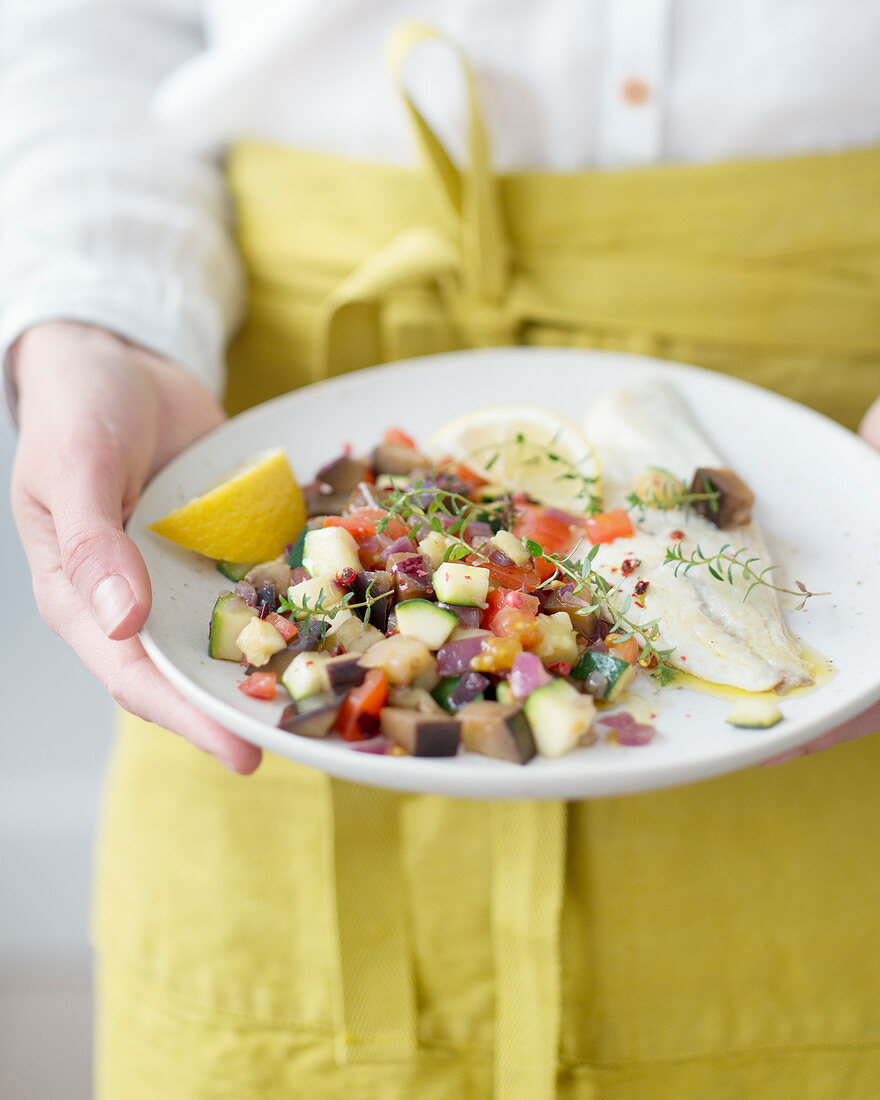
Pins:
x,y
323,610
728,563
675,494
569,471
446,512
601,594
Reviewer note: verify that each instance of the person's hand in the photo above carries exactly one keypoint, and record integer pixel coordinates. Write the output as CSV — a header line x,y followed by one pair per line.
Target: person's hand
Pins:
x,y
98,417
869,720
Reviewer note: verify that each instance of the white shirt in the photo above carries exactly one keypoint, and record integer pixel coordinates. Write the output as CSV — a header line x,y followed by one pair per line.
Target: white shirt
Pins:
x,y
113,113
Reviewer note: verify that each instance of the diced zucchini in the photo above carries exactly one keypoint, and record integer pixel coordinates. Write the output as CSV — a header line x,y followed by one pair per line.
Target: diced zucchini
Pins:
x,y
558,640
617,673
295,557
229,616
510,545
329,550
309,593
258,641
560,717
426,621
504,692
756,714
457,583
234,570
305,675
433,546
498,730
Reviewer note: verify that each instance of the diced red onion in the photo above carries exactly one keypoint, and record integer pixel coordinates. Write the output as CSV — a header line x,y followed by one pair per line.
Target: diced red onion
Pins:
x,y
247,592
299,574
498,557
526,674
468,617
403,545
598,646
621,720
639,734
629,732
456,657
372,550
467,689
379,746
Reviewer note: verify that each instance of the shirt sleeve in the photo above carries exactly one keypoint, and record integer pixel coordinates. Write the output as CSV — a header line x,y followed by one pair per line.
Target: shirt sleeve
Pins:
x,y
102,219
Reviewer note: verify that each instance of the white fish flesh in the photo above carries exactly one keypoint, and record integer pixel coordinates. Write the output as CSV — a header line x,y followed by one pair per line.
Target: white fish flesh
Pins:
x,y
713,631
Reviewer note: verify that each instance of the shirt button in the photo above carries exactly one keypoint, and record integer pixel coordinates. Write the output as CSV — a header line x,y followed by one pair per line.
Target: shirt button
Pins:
x,y
635,91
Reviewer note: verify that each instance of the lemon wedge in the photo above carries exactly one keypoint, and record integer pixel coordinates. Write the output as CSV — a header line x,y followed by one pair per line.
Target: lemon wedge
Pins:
x,y
528,449
248,516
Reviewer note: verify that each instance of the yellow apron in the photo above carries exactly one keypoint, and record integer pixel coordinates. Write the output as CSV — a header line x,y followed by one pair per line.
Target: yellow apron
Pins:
x,y
289,935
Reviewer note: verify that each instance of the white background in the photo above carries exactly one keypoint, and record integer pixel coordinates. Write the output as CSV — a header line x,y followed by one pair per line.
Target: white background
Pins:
x,y
55,722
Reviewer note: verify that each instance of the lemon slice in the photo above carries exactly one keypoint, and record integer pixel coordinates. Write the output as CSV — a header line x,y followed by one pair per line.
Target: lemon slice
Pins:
x,y
528,449
248,516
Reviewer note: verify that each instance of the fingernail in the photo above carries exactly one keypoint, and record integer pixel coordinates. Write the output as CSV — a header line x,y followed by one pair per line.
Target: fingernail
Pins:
x,y
227,764
112,600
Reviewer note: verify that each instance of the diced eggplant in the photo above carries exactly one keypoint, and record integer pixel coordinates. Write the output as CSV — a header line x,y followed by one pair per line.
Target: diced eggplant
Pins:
x,y
321,500
277,663
345,672
394,458
313,716
381,585
500,730
308,640
411,574
275,572
344,473
267,598
733,505
421,734
577,608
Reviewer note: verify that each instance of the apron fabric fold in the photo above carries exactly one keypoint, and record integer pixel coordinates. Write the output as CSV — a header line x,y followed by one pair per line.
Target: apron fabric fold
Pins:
x,y
290,935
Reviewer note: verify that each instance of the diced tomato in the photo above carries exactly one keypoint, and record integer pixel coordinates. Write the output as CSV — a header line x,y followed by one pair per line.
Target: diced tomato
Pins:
x,y
361,523
507,576
516,622
626,650
496,655
285,627
552,533
260,685
359,716
400,438
501,597
608,526
464,473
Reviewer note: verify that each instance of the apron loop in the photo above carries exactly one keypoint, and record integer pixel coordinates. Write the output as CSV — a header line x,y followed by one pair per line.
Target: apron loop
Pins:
x,y
469,200
464,259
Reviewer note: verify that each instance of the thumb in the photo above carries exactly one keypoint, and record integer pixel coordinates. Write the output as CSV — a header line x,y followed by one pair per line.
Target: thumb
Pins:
x,y
100,560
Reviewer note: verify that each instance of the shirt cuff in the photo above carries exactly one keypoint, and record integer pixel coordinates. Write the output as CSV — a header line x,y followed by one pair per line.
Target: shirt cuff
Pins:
x,y
189,332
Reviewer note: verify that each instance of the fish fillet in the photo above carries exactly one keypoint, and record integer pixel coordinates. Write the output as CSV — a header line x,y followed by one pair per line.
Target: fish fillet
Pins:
x,y
715,634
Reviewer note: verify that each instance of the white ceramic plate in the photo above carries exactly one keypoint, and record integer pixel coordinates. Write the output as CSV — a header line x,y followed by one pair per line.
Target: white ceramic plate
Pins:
x,y
817,487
